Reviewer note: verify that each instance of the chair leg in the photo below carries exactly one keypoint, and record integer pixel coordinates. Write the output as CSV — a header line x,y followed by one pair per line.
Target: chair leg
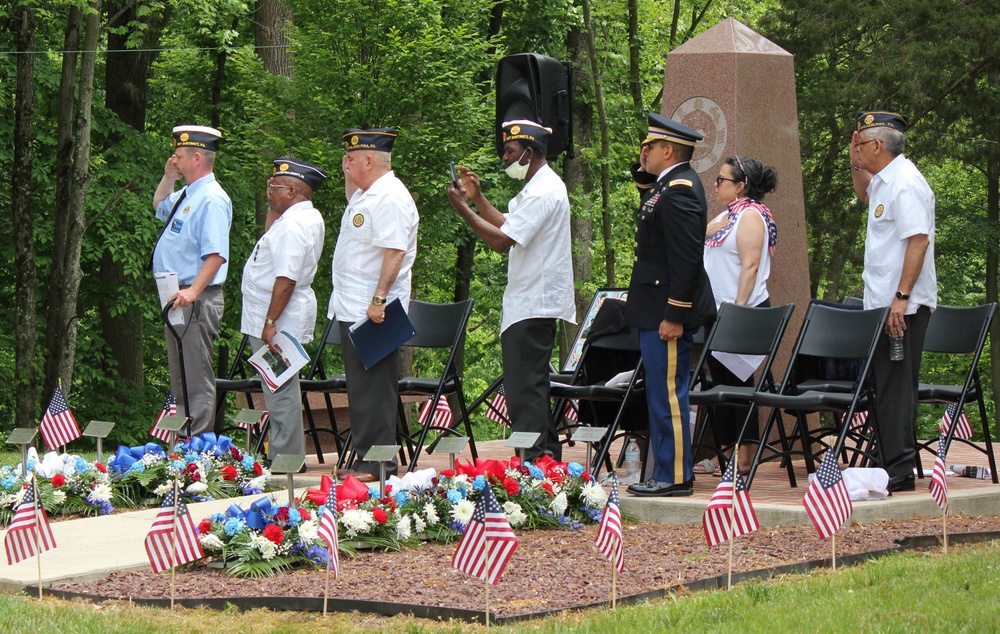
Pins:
x,y
311,429
986,431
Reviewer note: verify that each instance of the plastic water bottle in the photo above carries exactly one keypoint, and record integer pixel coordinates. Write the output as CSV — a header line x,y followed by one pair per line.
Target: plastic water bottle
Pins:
x,y
896,348
972,471
633,463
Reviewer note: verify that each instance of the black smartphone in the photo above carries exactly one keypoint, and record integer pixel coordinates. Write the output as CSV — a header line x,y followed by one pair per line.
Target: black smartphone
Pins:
x,y
454,173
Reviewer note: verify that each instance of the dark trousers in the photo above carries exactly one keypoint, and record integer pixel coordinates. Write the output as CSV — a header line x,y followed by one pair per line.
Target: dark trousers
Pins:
x,y
668,377
372,397
896,387
527,350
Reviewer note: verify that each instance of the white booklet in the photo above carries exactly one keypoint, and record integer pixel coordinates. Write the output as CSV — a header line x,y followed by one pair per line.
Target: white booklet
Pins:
x,y
167,287
277,368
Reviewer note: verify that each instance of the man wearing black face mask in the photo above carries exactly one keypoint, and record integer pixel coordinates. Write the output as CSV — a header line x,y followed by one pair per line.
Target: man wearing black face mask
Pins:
x,y
539,290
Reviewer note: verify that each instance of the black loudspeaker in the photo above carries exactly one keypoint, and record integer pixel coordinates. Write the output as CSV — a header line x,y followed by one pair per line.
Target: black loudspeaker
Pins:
x,y
536,87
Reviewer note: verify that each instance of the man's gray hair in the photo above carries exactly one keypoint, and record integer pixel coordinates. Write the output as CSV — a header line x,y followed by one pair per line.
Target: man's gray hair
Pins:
x,y
382,159
894,140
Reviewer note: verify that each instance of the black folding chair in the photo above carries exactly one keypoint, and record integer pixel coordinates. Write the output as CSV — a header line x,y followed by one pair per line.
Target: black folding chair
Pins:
x,y
830,333
438,326
740,330
319,379
960,331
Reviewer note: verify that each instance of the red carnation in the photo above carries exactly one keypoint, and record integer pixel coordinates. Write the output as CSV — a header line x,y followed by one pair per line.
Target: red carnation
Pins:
x,y
380,516
100,467
205,527
259,470
196,477
235,453
511,486
274,534
191,468
229,472
548,488
58,480
304,514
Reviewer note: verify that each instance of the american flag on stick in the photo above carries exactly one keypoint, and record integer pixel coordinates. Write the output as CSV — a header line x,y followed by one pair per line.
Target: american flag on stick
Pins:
x,y
609,535
488,543
20,539
442,418
939,478
719,513
169,409
963,428
827,501
58,425
328,531
858,420
497,411
163,549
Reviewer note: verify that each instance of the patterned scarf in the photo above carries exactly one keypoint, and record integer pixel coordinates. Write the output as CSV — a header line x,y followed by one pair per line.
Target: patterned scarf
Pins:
x,y
737,207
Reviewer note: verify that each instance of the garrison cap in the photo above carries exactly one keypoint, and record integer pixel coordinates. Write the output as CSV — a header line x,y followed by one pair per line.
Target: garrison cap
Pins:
x,y
881,119
377,139
525,130
306,172
198,136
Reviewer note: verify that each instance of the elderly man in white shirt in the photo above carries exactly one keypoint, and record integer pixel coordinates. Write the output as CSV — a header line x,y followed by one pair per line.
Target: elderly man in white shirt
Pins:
x,y
371,267
277,293
539,273
899,273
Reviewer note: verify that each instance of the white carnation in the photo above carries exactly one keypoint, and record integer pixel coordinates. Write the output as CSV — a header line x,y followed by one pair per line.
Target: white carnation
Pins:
x,y
58,497
594,495
163,489
356,521
403,528
419,525
260,481
266,547
462,512
308,532
515,516
101,493
559,504
196,487
431,512
211,541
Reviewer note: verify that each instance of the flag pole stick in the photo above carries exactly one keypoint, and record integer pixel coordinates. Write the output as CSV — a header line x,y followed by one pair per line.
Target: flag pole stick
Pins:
x,y
38,546
944,523
833,549
732,517
326,592
173,544
486,569
614,586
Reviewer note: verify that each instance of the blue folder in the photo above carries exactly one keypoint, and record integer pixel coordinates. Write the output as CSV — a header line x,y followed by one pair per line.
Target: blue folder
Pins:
x,y
375,342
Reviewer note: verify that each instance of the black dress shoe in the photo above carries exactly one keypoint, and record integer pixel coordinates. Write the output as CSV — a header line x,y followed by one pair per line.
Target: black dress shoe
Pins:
x,y
654,488
902,483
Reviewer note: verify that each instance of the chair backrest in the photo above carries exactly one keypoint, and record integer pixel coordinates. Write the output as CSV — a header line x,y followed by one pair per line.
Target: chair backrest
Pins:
x,y
837,333
850,300
331,337
438,325
747,330
955,330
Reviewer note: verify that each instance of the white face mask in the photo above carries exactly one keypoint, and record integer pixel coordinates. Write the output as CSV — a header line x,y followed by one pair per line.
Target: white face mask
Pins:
x,y
517,171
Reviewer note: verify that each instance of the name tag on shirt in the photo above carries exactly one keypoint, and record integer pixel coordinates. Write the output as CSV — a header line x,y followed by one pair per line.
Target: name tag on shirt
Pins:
x,y
175,225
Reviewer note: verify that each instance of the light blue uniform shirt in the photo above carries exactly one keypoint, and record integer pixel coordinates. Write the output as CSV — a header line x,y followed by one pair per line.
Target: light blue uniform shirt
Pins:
x,y
199,228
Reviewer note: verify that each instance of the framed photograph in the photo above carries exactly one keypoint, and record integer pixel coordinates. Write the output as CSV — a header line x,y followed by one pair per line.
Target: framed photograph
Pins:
x,y
577,350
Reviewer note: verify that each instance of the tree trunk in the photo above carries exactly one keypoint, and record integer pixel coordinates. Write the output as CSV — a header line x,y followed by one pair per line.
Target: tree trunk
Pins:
x,y
271,23
220,77
993,215
65,289
578,182
25,273
602,120
634,50
126,82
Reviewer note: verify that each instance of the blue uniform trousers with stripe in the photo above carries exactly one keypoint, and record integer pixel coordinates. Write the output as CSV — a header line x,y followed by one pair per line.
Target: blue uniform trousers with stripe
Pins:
x,y
668,377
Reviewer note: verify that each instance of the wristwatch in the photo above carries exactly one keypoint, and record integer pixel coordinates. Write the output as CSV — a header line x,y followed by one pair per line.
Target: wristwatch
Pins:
x,y
378,301
899,295
268,321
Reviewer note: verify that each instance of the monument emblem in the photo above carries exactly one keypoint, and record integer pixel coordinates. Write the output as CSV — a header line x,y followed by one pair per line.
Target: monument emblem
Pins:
x,y
705,116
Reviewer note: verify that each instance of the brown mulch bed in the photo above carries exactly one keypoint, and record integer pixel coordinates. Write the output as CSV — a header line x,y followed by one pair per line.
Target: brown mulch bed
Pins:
x,y
551,570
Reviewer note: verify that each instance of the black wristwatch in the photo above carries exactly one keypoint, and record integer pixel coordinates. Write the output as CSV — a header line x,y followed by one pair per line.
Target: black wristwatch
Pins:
x,y
900,295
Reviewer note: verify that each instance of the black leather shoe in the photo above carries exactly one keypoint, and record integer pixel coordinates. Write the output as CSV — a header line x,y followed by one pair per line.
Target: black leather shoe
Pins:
x,y
902,483
654,488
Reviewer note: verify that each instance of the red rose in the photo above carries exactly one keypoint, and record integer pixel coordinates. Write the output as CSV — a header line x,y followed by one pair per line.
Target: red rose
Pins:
x,y
388,489
259,470
274,534
58,480
205,527
548,488
191,468
195,477
235,453
511,486
229,472
100,467
380,516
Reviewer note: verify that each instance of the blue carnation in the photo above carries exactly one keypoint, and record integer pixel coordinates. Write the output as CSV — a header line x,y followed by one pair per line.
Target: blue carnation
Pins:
x,y
217,517
191,456
401,498
372,492
536,473
31,464
7,483
321,510
137,466
178,464
234,526
294,517
454,496
247,463
479,483
80,465
575,469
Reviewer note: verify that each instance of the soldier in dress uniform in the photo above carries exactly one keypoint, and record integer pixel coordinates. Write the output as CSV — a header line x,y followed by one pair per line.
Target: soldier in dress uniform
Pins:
x,y
669,296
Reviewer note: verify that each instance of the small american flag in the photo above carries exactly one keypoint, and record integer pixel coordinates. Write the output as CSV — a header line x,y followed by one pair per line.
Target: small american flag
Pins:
x,y
442,418
716,520
939,479
488,543
259,424
609,535
58,425
20,540
497,411
163,550
858,420
169,409
328,531
827,501
570,413
963,428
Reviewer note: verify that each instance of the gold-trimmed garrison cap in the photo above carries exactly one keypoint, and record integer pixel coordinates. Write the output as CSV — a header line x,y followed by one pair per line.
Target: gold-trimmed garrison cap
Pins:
x,y
310,174
198,136
665,129
880,119
378,139
525,130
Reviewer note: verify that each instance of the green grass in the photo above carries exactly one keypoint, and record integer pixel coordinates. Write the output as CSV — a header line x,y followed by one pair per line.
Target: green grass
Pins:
x,y
910,592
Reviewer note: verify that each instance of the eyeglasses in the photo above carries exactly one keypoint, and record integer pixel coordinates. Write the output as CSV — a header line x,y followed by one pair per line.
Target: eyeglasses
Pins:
x,y
719,180
860,143
271,186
